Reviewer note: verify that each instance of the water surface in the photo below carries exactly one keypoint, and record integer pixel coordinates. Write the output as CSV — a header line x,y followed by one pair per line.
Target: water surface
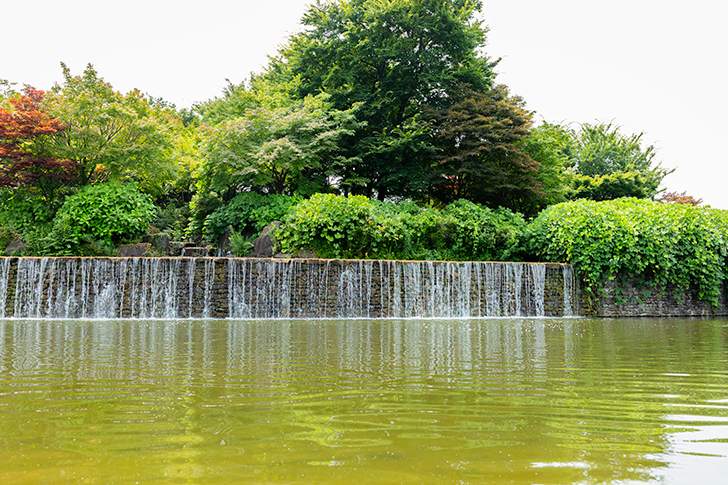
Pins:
x,y
550,401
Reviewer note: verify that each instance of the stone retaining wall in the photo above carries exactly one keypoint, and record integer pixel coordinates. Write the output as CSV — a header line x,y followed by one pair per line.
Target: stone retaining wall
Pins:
x,y
626,296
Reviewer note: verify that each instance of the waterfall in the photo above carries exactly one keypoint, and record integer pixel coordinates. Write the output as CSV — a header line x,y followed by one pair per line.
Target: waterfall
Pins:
x,y
171,288
570,291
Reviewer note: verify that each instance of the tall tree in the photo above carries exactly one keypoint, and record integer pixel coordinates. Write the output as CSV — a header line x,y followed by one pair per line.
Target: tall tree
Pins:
x,y
481,157
110,134
609,164
269,149
24,137
394,57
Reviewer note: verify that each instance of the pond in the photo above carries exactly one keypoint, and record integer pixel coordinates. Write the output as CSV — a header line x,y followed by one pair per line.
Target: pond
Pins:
x,y
518,401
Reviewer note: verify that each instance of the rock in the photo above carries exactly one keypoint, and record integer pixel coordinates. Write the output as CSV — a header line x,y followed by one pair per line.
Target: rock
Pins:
x,y
266,242
305,255
17,246
137,250
195,252
160,242
224,240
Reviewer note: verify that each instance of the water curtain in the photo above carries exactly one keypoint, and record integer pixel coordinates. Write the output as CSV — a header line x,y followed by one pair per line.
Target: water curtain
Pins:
x,y
173,288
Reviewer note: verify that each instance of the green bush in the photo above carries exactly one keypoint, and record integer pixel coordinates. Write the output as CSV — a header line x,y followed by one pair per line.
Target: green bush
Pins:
x,y
661,243
247,212
354,227
25,210
484,234
102,214
333,226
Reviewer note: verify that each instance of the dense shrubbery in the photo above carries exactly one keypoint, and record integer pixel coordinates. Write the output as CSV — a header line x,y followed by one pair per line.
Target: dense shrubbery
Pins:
x,y
103,214
354,226
247,212
662,243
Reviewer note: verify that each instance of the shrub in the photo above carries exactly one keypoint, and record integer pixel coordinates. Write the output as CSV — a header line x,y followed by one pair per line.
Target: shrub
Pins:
x,y
662,243
333,226
25,210
247,212
484,234
353,227
108,213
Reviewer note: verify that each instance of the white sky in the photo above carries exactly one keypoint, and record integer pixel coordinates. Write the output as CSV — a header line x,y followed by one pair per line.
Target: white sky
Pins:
x,y
652,66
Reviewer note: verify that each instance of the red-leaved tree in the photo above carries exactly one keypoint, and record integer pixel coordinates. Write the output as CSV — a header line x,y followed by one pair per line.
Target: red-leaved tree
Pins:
x,y
23,159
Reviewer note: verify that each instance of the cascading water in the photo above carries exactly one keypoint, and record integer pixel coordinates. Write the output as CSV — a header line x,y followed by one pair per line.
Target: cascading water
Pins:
x,y
254,288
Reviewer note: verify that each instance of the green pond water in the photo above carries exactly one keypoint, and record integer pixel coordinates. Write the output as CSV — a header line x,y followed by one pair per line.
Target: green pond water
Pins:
x,y
517,401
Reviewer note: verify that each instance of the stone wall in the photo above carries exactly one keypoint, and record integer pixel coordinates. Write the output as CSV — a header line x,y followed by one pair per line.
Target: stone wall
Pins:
x,y
626,296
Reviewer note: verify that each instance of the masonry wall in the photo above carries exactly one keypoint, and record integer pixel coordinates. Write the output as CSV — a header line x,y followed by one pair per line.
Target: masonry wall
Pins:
x,y
626,296
312,288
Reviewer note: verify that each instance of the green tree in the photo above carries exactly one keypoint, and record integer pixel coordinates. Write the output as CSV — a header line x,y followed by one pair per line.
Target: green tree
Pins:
x,y
270,149
393,57
617,164
112,135
549,144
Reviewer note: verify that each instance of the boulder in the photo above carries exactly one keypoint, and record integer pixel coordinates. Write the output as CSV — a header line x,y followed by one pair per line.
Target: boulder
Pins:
x,y
17,246
161,244
224,240
265,243
195,252
137,250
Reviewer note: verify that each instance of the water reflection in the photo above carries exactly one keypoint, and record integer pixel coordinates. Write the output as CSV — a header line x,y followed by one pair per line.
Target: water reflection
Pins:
x,y
418,401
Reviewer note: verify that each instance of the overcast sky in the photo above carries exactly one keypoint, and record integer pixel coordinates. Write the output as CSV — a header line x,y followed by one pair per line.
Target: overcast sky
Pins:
x,y
652,66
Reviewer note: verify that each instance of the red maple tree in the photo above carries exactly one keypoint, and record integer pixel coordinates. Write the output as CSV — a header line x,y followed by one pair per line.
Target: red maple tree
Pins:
x,y
22,161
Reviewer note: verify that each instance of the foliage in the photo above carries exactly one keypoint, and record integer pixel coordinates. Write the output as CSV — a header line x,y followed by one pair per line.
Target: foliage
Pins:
x,y
272,149
356,227
24,209
480,233
331,225
680,198
248,213
240,245
112,213
602,150
480,157
663,243
7,90
549,145
113,136
24,133
614,186
618,164
392,57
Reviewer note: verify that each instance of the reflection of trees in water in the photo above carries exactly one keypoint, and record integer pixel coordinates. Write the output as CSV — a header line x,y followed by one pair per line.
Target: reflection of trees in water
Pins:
x,y
574,392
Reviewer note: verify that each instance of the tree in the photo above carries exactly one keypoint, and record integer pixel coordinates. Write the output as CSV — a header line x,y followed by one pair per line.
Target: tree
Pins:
x,y
394,57
601,150
25,131
481,157
7,90
112,136
680,198
549,144
271,148
614,186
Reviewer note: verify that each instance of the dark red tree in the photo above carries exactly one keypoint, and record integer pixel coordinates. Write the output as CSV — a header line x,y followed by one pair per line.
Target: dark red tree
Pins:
x,y
23,158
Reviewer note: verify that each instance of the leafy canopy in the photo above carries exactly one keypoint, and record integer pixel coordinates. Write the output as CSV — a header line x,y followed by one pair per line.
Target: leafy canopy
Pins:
x,y
271,149
394,57
112,135
25,131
